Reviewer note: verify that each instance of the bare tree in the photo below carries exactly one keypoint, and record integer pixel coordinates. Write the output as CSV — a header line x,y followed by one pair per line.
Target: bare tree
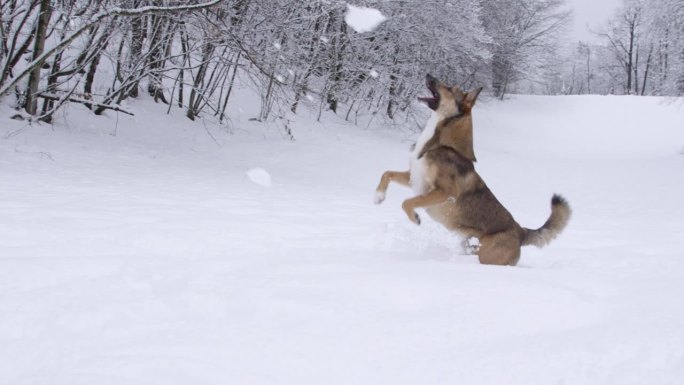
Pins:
x,y
41,55
623,36
522,31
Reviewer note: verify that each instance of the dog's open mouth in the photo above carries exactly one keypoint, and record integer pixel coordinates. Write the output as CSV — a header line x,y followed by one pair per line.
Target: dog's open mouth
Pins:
x,y
432,102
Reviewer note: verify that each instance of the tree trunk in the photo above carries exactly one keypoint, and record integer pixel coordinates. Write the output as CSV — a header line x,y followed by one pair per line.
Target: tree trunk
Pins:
x,y
648,66
90,75
34,76
313,61
156,57
680,81
499,75
636,71
12,52
186,62
137,39
630,54
392,91
51,88
230,87
588,70
195,94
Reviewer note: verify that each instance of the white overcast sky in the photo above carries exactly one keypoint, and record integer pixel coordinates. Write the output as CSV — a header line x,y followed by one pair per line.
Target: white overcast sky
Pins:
x,y
592,14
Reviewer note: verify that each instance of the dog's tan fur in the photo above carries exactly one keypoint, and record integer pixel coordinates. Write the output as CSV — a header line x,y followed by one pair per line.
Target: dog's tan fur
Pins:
x,y
457,197
455,131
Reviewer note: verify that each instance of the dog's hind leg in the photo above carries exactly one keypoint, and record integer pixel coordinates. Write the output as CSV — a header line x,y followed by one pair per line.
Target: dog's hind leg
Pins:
x,y
431,198
499,249
401,177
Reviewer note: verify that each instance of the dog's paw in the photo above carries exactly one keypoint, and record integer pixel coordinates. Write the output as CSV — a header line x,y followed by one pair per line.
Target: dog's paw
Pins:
x,y
379,197
414,217
470,246
410,213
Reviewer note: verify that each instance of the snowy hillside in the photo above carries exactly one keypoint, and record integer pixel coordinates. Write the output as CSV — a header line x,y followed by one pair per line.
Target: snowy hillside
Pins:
x,y
155,250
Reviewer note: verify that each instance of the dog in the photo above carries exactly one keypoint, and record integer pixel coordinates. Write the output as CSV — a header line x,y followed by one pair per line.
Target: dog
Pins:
x,y
443,175
450,106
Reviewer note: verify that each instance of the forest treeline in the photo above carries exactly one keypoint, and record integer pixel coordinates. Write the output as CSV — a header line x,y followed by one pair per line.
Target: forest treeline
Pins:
x,y
189,54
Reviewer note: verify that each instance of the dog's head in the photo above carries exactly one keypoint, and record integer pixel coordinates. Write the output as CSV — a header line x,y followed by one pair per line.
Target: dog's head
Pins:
x,y
448,101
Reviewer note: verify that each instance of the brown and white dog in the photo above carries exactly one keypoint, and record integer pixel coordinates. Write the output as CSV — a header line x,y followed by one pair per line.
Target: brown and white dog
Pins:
x,y
443,175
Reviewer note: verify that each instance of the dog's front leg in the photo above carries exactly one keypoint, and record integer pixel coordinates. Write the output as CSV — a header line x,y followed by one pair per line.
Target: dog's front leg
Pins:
x,y
431,198
401,177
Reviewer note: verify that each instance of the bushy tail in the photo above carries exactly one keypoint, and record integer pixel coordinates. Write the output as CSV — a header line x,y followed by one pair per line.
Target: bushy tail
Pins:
x,y
560,214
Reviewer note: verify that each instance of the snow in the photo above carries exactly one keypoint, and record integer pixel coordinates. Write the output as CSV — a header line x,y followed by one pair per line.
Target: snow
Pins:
x,y
135,250
363,19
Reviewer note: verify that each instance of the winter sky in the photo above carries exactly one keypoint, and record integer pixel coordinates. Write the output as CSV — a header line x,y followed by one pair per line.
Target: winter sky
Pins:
x,y
590,14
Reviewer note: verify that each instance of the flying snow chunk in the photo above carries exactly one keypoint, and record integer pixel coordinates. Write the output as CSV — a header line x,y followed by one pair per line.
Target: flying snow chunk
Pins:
x,y
363,19
259,176
374,73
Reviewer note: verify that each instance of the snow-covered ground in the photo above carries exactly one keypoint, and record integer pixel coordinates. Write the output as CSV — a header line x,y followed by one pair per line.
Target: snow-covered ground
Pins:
x,y
155,250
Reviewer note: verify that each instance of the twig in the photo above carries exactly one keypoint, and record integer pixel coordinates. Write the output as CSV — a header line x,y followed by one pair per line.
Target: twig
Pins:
x,y
87,102
15,132
209,133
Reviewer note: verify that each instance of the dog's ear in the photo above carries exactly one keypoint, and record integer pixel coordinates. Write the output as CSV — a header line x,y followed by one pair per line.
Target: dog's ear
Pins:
x,y
459,95
471,97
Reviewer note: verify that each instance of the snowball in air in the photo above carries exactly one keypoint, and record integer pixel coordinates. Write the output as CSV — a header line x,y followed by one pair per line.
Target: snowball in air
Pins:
x,y
259,176
363,19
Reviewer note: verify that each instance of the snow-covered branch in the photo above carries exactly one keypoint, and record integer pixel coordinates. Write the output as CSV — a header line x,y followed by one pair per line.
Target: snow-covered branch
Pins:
x,y
95,20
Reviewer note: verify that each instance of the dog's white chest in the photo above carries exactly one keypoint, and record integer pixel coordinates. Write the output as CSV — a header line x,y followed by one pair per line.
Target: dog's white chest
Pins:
x,y
418,180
